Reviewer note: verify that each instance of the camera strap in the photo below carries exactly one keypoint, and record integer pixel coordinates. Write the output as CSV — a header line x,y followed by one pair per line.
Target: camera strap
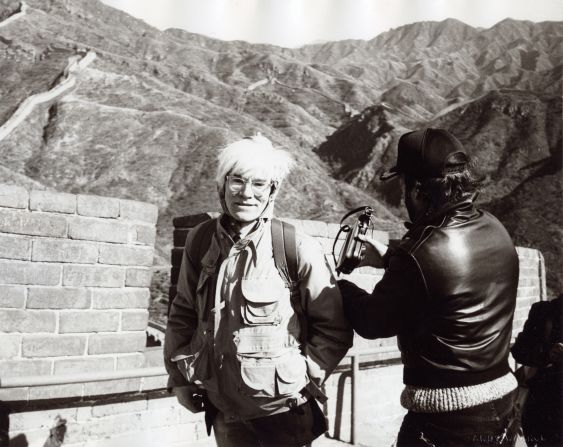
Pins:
x,y
348,214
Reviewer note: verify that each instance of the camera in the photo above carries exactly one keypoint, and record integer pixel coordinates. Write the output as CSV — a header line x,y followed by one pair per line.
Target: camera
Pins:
x,y
352,251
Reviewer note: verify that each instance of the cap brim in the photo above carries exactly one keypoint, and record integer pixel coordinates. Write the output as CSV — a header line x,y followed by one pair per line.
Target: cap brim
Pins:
x,y
389,174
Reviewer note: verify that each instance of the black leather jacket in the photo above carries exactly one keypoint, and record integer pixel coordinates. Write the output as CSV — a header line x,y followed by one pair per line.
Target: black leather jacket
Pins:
x,y
449,293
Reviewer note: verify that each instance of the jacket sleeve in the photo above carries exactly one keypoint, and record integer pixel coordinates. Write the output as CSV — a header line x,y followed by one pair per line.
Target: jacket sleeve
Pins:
x,y
329,335
394,302
182,321
531,347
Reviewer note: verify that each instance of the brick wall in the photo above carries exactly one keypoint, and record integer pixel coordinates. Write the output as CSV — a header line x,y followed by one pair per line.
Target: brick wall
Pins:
x,y
75,272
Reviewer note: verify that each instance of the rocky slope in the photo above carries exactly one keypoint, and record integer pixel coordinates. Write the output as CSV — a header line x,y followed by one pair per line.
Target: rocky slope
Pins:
x,y
146,117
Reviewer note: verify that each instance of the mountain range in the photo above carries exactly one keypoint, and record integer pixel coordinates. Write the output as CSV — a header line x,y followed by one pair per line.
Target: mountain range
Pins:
x,y
139,113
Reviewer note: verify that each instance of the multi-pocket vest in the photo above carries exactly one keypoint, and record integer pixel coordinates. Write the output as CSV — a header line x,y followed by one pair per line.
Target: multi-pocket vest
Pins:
x,y
267,326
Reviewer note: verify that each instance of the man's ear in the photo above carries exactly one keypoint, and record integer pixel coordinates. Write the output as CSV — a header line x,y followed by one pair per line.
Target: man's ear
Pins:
x,y
273,191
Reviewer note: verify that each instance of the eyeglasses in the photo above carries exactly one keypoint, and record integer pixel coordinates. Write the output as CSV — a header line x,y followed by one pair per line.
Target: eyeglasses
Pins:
x,y
259,186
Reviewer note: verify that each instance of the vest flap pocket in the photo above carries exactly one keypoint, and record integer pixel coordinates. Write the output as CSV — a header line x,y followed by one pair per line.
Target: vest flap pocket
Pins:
x,y
263,290
262,297
291,374
259,310
258,377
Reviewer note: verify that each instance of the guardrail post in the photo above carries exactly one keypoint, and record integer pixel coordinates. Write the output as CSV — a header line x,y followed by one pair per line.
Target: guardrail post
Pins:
x,y
353,410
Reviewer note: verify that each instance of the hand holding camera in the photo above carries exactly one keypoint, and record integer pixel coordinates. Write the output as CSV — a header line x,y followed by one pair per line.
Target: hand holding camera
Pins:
x,y
373,252
359,249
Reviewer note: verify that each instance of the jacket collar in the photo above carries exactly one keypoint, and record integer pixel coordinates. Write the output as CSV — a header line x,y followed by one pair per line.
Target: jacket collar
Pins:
x,y
454,212
250,240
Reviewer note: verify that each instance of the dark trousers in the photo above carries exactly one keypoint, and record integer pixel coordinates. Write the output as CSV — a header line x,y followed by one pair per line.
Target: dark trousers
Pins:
x,y
488,424
294,428
542,416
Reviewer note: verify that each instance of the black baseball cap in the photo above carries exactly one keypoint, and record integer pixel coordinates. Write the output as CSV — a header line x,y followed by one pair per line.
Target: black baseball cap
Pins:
x,y
428,153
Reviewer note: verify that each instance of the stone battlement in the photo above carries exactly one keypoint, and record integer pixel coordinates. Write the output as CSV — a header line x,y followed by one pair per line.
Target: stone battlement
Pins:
x,y
75,272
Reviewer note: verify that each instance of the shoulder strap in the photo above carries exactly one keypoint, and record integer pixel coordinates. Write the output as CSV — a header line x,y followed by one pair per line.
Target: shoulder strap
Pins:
x,y
284,245
285,251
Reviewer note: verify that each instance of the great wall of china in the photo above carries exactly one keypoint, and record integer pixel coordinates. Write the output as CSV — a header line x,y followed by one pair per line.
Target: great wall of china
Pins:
x,y
75,64
80,362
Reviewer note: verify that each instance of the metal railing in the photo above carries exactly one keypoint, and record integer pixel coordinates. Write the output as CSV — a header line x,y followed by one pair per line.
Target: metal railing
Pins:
x,y
354,356
27,381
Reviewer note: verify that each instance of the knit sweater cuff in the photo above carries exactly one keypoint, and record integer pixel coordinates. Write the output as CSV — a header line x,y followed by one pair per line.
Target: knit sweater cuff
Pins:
x,y
440,400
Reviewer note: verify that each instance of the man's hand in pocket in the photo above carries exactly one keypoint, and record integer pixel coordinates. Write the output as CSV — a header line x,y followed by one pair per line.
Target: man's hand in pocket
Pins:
x,y
190,396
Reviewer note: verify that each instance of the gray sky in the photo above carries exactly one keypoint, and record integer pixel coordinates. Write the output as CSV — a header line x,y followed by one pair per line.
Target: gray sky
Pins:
x,y
292,23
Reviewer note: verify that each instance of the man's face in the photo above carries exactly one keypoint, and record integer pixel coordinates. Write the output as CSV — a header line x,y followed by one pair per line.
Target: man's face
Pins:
x,y
247,195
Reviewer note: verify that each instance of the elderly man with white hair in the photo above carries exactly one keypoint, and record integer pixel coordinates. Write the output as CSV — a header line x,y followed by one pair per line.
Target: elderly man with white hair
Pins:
x,y
257,324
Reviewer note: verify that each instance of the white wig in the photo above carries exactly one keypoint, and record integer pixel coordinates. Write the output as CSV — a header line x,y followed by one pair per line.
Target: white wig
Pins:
x,y
256,156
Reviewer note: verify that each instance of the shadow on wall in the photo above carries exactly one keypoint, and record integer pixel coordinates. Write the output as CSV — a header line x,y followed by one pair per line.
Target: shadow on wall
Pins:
x,y
56,433
5,426
18,441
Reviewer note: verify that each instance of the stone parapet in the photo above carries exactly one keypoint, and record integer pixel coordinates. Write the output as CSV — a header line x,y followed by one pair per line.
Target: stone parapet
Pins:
x,y
149,419
75,272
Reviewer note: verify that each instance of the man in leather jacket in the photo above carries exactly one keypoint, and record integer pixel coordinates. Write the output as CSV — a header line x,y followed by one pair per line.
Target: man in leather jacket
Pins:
x,y
448,293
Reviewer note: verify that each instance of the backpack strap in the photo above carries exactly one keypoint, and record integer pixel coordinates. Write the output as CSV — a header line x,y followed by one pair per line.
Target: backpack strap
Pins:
x,y
284,245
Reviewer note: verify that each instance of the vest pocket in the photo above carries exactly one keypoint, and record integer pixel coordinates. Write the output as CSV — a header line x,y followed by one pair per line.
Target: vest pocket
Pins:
x,y
291,374
258,377
273,377
261,300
